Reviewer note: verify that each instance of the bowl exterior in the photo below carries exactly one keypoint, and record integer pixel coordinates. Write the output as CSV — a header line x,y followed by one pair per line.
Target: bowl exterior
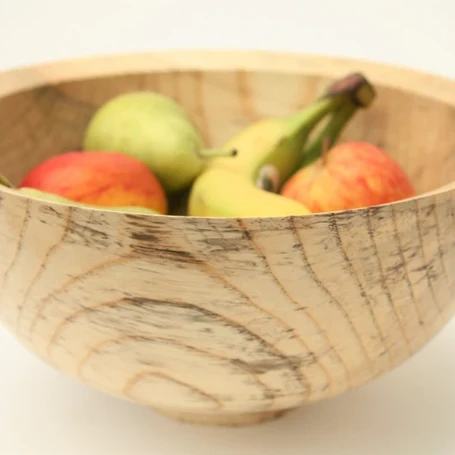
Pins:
x,y
226,315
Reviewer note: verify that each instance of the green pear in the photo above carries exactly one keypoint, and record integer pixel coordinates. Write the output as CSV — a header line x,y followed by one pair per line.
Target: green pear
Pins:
x,y
153,129
62,200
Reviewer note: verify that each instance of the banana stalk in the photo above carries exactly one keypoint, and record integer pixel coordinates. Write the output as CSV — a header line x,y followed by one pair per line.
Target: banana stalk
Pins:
x,y
339,119
328,136
268,153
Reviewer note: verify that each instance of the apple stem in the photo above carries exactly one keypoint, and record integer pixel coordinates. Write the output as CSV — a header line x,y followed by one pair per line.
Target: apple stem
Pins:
x,y
326,144
214,153
329,134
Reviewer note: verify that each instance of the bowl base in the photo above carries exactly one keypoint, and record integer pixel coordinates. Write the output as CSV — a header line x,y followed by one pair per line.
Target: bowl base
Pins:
x,y
222,419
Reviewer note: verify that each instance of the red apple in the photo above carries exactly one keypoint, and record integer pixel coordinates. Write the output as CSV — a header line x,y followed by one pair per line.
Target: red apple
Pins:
x,y
349,175
108,179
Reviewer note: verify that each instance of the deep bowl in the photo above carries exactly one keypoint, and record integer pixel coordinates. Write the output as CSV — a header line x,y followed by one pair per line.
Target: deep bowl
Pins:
x,y
225,320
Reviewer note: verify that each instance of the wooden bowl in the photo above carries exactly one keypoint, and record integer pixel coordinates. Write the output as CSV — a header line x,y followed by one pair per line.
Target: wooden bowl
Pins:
x,y
223,320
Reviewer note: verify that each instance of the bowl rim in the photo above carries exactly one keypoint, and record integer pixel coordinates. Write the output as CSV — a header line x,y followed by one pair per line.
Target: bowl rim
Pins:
x,y
56,71
423,83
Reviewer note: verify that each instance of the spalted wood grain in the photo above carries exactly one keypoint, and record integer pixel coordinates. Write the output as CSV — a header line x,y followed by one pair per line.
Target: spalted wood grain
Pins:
x,y
228,321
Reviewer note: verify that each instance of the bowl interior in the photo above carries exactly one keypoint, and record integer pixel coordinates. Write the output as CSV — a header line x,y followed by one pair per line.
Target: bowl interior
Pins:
x,y
38,123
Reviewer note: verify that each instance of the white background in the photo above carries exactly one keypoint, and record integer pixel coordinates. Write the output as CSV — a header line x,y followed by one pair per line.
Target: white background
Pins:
x,y
408,411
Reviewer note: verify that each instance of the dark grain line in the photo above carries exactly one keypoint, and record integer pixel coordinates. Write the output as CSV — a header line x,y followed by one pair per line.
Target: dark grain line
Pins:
x,y
71,282
214,273
268,393
384,284
406,269
452,214
439,240
333,226
20,244
425,259
141,375
42,267
293,302
211,271
323,288
123,302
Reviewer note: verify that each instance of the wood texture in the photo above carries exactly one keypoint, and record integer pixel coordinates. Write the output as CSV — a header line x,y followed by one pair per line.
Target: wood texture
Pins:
x,y
228,321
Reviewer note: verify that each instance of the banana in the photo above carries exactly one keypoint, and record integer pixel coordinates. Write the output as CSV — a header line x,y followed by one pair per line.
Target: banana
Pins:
x,y
267,154
220,192
50,197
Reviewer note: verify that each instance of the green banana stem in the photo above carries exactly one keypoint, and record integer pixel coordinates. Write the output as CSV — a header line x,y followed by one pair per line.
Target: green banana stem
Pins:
x,y
305,120
362,97
286,156
351,90
329,134
5,182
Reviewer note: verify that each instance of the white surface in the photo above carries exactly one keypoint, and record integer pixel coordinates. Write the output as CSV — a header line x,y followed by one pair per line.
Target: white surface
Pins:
x,y
408,411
